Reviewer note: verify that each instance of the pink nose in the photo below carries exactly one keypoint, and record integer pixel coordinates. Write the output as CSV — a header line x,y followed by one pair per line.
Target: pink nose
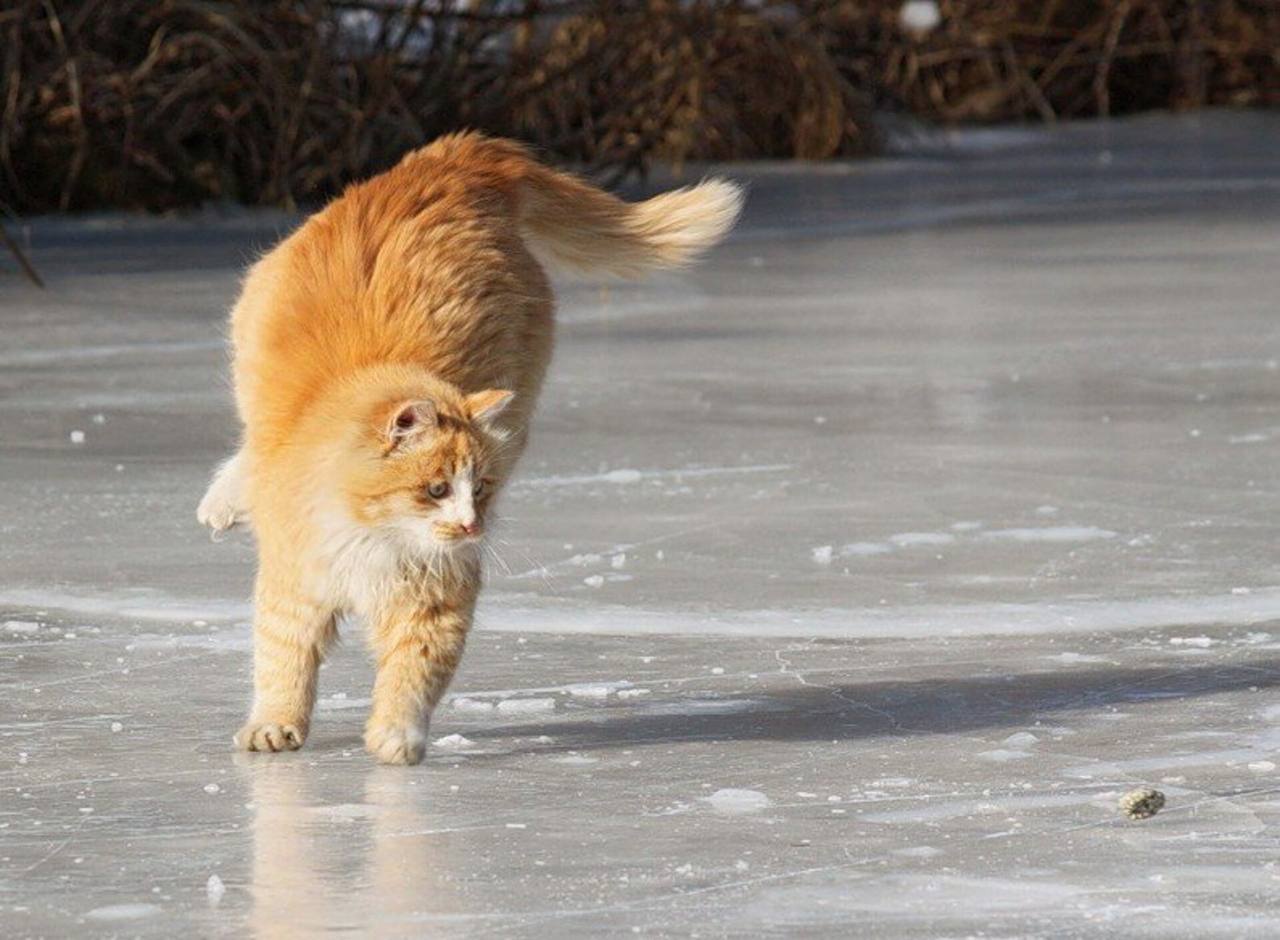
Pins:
x,y
471,528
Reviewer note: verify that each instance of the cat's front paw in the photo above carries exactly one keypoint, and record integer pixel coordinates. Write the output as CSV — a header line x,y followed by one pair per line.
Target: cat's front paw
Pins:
x,y
396,744
222,506
270,736
218,512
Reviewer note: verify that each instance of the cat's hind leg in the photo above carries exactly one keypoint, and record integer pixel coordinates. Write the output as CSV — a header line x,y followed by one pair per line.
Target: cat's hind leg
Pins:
x,y
224,505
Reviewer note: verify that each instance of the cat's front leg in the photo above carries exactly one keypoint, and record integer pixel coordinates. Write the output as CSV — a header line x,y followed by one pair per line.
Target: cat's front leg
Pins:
x,y
224,504
418,649
290,637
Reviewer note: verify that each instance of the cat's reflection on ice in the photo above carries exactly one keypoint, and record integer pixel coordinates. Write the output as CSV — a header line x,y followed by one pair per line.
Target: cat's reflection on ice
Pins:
x,y
376,867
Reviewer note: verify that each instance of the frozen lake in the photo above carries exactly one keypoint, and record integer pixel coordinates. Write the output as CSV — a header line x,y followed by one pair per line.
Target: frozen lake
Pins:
x,y
849,581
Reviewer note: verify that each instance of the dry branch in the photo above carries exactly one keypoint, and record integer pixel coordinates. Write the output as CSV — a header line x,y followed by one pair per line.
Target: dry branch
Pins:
x,y
162,103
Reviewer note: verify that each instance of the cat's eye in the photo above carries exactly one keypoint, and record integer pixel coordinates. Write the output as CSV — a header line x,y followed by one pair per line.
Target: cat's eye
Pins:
x,y
480,487
438,490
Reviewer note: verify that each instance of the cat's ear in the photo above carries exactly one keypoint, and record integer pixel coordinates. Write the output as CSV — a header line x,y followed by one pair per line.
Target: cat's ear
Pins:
x,y
409,420
483,407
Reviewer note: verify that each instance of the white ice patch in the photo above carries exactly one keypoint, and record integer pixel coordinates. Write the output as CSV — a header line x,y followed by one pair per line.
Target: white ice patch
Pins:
x,y
732,802
589,690
918,851
1021,740
576,760
23,627
214,889
1075,659
821,554
1058,533
454,742
864,549
113,912
626,476
912,539
470,705
1003,755
526,706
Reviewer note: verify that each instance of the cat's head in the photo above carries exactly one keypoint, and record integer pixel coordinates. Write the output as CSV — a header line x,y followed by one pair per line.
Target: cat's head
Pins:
x,y
428,468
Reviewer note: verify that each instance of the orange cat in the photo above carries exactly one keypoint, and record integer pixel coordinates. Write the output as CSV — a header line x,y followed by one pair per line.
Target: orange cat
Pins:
x,y
388,355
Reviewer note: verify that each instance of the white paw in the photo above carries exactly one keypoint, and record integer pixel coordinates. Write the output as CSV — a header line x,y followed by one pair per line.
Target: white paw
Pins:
x,y
217,512
222,507
396,744
270,736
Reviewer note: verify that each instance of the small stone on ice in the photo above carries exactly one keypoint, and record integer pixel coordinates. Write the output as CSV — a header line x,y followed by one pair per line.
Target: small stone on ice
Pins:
x,y
116,727
212,788
77,437
1142,803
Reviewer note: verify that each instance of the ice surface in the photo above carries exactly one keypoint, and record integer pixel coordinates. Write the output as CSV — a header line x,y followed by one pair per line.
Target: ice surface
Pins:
x,y
971,372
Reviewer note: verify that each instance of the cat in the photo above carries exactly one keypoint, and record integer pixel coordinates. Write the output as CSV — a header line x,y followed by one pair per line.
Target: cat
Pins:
x,y
387,358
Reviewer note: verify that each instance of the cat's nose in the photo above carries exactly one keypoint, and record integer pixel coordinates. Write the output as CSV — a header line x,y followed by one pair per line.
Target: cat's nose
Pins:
x,y
471,528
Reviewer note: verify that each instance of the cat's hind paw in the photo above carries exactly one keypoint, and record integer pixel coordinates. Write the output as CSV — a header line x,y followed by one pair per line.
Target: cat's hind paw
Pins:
x,y
269,736
392,744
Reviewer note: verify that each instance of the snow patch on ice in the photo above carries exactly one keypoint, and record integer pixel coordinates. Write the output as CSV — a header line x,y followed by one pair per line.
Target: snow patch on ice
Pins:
x,y
1004,755
864,549
635,476
454,742
599,690
112,912
526,706
1060,533
733,802
918,851
1022,740
911,539
214,889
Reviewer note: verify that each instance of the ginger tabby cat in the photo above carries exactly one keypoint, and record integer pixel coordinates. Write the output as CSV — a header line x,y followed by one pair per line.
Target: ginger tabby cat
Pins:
x,y
388,355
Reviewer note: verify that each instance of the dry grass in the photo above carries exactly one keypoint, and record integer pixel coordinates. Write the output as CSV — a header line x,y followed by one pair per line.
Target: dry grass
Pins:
x,y
161,103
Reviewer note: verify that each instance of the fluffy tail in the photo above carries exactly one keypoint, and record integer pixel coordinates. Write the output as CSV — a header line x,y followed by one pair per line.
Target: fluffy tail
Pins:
x,y
584,227
579,225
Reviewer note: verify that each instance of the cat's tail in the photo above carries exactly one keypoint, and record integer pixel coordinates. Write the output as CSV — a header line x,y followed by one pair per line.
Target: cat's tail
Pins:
x,y
584,227
569,221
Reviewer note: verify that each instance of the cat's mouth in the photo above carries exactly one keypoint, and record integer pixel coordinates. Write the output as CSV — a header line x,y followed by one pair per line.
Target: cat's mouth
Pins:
x,y
453,534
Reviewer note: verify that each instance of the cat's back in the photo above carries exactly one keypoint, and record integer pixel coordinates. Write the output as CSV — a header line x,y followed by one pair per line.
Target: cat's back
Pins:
x,y
423,264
